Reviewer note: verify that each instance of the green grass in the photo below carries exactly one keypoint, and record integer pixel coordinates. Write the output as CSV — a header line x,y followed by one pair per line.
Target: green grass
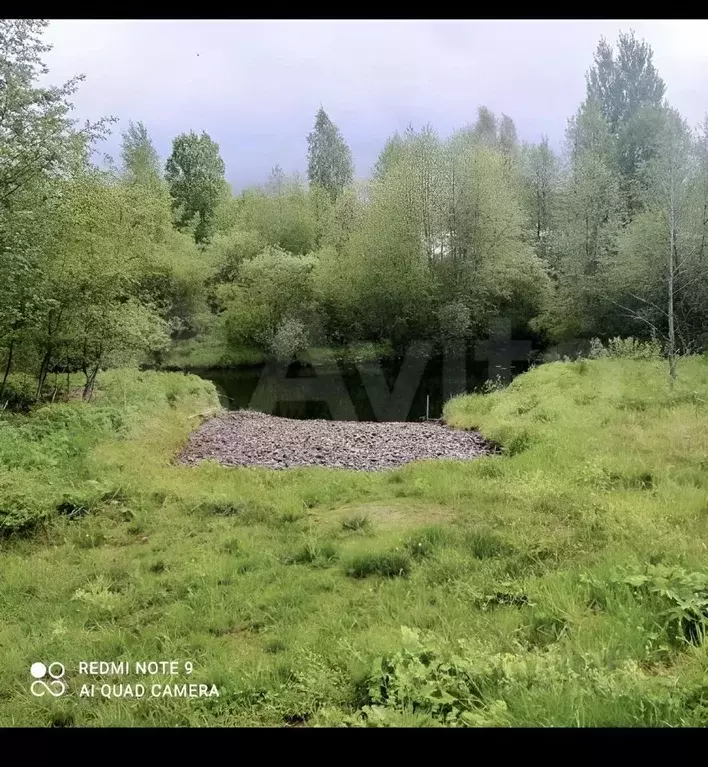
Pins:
x,y
561,583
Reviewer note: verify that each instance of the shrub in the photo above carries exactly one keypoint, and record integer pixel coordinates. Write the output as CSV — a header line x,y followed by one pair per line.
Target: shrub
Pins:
x,y
681,599
20,519
289,340
19,393
432,681
625,348
228,251
597,349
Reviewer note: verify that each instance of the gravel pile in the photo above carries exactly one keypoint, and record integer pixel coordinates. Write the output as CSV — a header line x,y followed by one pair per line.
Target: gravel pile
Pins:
x,y
247,438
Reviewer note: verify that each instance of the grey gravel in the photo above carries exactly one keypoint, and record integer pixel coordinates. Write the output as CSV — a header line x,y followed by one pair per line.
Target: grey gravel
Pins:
x,y
248,438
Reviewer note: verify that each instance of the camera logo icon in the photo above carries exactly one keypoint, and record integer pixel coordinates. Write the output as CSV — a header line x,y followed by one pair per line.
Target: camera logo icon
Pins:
x,y
54,685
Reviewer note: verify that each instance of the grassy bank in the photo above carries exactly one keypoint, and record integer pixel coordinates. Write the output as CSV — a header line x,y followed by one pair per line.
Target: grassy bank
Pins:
x,y
561,583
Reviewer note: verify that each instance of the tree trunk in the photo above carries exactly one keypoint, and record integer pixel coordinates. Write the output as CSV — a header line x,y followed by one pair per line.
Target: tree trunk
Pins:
x,y
8,366
672,334
43,370
88,387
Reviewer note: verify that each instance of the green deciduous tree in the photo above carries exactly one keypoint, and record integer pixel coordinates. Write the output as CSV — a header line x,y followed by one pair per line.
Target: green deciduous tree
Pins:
x,y
508,139
38,139
195,173
273,288
388,156
282,214
100,248
661,280
485,129
625,83
141,163
626,90
540,179
39,147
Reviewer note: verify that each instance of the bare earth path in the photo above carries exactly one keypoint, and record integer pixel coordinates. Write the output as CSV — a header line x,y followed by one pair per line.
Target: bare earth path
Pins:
x,y
247,438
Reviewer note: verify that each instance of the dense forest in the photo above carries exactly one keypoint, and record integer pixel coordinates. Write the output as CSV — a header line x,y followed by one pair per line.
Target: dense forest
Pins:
x,y
108,266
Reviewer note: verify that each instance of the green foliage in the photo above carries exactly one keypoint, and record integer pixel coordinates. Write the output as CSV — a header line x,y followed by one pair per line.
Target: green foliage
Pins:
x,y
289,340
625,348
195,173
485,129
228,251
141,163
271,301
454,319
626,88
682,599
329,159
39,142
19,392
428,680
285,219
389,155
540,177
94,274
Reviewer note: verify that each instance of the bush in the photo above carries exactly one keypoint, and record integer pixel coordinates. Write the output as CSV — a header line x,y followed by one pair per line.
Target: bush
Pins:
x,y
680,597
274,288
19,393
228,251
289,340
17,518
625,348
597,349
427,679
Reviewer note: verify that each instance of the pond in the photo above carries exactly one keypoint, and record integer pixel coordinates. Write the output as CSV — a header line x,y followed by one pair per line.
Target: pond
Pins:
x,y
392,389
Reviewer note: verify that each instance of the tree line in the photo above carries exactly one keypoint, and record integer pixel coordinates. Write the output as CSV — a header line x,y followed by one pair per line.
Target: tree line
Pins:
x,y
107,266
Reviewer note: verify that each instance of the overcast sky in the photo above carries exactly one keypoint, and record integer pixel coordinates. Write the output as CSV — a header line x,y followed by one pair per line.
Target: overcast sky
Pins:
x,y
255,86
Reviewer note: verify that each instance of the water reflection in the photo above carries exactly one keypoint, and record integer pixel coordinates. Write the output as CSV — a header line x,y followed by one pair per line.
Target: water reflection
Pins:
x,y
345,392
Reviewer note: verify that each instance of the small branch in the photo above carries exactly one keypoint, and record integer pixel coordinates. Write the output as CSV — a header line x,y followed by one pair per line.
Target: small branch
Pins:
x,y
638,316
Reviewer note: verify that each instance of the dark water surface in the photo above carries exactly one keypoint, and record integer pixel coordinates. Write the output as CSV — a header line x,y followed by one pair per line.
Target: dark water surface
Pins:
x,y
391,389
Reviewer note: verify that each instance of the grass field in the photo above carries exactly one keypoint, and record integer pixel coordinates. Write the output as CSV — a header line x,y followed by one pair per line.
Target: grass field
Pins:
x,y
561,583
